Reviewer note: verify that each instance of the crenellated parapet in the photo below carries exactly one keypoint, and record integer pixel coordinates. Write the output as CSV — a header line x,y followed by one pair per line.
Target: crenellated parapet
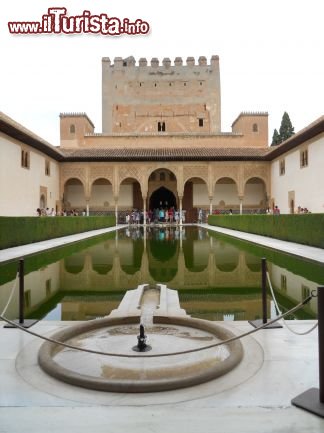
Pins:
x,y
130,61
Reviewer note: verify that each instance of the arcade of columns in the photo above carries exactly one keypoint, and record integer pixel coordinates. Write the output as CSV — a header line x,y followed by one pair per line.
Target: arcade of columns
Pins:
x,y
210,172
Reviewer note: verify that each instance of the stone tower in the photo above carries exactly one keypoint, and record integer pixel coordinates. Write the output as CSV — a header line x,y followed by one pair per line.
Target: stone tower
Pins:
x,y
148,99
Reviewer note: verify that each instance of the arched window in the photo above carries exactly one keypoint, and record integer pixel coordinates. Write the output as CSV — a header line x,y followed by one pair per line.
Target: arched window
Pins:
x,y
161,126
25,159
255,127
47,168
72,129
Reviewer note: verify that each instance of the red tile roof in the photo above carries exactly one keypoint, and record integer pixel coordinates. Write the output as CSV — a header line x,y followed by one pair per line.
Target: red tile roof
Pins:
x,y
164,154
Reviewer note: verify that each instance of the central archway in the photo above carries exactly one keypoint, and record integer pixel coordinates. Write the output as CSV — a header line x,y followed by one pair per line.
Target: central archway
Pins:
x,y
162,197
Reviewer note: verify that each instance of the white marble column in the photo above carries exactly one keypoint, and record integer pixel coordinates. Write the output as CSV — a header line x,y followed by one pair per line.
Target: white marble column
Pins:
x,y
144,211
241,204
87,206
116,209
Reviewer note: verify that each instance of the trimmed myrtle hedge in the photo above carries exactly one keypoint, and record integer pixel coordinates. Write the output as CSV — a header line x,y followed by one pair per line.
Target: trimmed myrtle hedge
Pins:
x,y
16,231
307,229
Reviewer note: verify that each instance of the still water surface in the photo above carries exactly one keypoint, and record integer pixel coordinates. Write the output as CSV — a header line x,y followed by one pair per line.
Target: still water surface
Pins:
x,y
218,277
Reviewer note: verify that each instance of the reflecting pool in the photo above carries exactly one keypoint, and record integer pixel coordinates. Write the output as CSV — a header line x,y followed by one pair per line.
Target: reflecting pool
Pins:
x,y
218,277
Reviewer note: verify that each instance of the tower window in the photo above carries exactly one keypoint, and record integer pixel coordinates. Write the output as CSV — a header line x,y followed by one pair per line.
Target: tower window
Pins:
x,y
255,127
282,167
72,129
161,126
304,158
47,168
154,84
25,161
201,122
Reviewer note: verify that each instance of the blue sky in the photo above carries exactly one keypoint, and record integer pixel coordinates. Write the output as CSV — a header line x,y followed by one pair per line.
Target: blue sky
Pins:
x,y
271,57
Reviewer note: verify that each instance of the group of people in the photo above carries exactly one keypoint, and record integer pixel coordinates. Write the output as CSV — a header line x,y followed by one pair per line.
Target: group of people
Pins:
x,y
274,211
52,212
157,215
302,210
46,212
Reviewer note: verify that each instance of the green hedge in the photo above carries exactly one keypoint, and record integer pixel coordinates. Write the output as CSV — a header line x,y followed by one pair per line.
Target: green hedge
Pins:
x,y
307,229
16,231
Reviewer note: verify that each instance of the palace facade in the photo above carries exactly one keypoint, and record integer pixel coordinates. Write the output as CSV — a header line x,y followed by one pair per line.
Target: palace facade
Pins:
x,y
161,145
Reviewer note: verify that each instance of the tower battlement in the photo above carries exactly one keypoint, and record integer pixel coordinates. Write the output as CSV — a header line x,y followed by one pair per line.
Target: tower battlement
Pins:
x,y
119,62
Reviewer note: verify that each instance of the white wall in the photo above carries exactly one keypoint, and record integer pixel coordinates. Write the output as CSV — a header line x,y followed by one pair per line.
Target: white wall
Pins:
x,y
125,198
101,194
226,192
20,187
254,194
200,195
74,194
307,182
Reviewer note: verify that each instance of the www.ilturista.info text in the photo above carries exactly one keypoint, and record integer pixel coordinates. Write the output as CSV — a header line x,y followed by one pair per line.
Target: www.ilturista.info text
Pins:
x,y
57,21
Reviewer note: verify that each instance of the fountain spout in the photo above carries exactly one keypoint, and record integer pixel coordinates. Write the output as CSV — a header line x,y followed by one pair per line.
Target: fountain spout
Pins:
x,y
141,341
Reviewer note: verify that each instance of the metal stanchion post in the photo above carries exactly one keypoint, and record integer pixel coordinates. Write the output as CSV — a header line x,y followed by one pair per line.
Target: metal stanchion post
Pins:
x,y
21,301
312,400
259,322
264,289
21,291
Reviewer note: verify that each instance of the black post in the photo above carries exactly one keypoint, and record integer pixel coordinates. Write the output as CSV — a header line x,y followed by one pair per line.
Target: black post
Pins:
x,y
21,301
320,302
264,289
264,320
312,400
21,291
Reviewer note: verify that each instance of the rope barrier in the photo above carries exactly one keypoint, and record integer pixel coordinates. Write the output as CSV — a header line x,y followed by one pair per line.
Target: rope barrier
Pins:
x,y
96,352
11,295
279,311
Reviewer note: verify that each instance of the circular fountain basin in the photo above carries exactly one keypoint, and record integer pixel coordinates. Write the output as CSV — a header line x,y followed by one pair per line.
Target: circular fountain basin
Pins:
x,y
176,361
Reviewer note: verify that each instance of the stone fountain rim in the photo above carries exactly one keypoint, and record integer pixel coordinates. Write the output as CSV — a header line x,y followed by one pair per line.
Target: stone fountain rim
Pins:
x,y
51,367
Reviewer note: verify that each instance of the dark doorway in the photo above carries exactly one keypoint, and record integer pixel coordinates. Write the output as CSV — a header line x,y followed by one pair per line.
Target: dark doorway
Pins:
x,y
162,197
